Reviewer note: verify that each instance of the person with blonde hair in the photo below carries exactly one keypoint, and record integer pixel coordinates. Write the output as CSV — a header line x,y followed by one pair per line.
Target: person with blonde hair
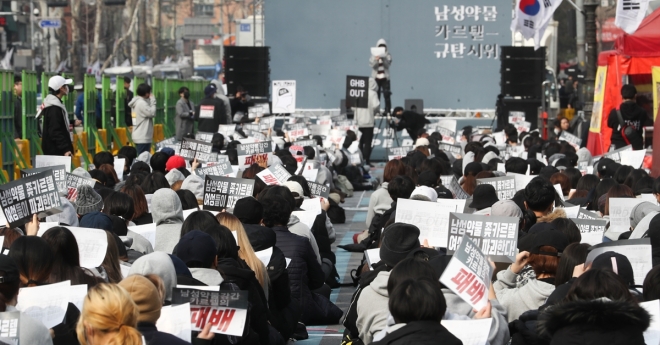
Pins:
x,y
245,251
109,316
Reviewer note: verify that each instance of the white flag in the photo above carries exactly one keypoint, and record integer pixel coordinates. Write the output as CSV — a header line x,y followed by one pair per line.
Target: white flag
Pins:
x,y
630,13
5,63
531,17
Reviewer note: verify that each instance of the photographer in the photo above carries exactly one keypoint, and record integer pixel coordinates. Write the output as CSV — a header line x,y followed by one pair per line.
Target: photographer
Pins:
x,y
240,103
185,114
410,120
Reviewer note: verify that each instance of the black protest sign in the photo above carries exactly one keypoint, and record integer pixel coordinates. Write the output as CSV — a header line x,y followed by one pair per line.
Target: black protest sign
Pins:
x,y
616,154
306,142
254,148
219,169
456,150
203,151
319,189
496,236
398,152
584,214
207,137
571,139
222,192
73,182
256,135
59,172
34,194
504,186
450,182
591,230
357,92
10,326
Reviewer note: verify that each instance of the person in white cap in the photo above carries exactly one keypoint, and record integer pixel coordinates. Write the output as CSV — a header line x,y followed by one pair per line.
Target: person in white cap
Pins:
x,y
56,138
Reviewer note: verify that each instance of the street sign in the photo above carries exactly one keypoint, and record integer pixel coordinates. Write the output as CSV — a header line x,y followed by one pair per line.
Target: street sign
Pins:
x,y
50,23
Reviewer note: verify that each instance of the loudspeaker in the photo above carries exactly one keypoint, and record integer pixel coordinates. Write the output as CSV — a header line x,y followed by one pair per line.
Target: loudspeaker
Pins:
x,y
249,68
417,103
529,106
522,72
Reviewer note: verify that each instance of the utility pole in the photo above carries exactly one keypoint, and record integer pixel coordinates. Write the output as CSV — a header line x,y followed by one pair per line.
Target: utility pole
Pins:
x,y
579,29
591,55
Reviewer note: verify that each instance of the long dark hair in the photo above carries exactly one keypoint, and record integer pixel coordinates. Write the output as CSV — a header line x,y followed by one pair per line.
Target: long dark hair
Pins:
x,y
198,220
34,259
66,264
120,205
598,283
575,254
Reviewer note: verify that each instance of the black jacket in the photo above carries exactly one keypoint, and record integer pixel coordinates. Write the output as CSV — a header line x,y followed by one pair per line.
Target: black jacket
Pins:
x,y
246,280
220,116
65,332
420,332
595,322
55,139
155,337
305,275
18,118
412,122
285,314
128,118
633,115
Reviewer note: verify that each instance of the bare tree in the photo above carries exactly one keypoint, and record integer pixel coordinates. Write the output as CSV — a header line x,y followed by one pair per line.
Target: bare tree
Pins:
x,y
128,33
97,32
154,26
75,51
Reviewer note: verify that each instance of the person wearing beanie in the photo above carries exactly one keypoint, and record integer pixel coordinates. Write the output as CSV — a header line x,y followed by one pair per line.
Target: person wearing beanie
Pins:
x,y
213,112
147,298
198,251
427,193
421,142
543,256
195,184
168,216
483,198
175,162
174,176
87,201
143,112
158,162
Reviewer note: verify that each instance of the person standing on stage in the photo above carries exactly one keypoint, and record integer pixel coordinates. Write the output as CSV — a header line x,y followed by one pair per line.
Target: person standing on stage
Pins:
x,y
380,66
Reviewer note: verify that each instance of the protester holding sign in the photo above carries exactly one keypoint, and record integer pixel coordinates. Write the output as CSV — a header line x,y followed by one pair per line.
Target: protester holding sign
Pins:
x,y
543,256
212,112
628,120
56,138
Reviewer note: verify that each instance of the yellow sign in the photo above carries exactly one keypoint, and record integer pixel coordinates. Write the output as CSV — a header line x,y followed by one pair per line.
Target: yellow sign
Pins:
x,y
599,96
656,89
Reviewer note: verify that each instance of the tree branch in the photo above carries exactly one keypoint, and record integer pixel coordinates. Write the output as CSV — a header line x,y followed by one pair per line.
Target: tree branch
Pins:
x,y
123,38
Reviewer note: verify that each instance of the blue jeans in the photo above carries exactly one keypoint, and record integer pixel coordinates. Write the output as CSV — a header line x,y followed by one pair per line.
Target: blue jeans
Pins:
x,y
142,148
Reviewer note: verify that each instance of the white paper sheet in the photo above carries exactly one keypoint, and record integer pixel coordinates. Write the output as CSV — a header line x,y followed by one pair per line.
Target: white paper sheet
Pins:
x,y
264,255
306,217
620,209
377,51
432,218
521,180
312,205
560,192
650,198
638,253
572,212
310,174
77,295
92,244
119,167
41,161
633,158
47,303
148,231
125,270
373,256
175,320
470,332
652,334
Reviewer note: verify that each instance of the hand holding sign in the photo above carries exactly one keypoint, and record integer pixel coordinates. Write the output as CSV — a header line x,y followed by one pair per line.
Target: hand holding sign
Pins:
x,y
520,263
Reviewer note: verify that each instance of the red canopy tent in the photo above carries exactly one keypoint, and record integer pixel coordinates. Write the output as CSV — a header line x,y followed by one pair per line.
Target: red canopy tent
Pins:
x,y
633,57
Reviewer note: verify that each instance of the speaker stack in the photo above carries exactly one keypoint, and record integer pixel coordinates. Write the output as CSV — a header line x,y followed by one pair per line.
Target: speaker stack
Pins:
x,y
522,74
248,67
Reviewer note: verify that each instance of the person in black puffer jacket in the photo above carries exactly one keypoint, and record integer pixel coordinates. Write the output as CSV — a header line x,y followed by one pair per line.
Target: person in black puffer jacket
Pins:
x,y
305,273
285,314
599,309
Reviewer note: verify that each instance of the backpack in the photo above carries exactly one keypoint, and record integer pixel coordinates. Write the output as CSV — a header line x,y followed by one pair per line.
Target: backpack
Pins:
x,y
344,185
630,135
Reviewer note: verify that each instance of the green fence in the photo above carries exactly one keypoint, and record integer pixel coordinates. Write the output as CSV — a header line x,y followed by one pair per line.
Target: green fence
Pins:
x,y
30,127
91,97
109,108
7,122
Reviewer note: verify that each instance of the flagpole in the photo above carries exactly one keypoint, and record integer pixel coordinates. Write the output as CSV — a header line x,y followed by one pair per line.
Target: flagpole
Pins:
x,y
576,7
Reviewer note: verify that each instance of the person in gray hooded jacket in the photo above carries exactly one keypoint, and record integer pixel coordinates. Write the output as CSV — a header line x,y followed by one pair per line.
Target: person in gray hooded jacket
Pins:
x,y
160,264
144,111
380,70
168,216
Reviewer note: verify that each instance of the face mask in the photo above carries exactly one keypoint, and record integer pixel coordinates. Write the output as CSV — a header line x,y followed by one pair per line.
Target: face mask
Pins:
x,y
557,130
186,94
